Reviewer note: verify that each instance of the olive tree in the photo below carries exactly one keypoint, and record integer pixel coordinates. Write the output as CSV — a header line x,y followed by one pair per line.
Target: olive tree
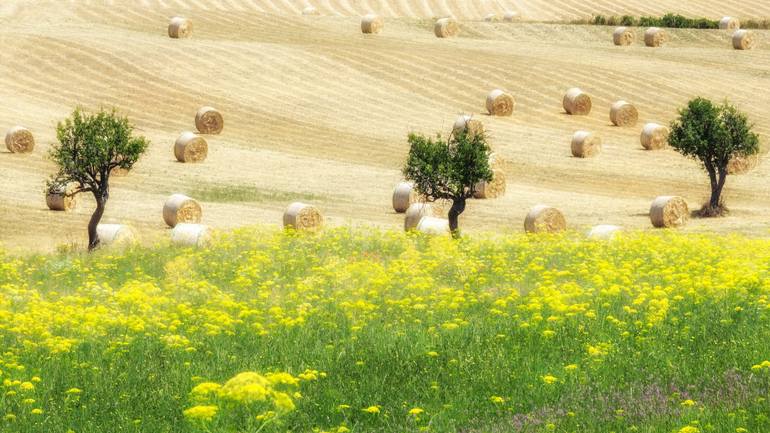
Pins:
x,y
713,134
448,169
90,146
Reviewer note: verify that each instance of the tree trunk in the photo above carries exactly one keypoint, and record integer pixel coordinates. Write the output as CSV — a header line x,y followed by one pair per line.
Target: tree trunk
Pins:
x,y
716,190
458,207
93,237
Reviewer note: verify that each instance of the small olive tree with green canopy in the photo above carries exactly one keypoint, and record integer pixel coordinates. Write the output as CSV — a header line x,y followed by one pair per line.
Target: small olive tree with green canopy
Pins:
x,y
90,146
448,169
713,134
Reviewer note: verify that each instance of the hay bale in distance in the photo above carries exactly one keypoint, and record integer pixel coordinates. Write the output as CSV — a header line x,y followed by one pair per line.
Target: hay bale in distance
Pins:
x,y
623,36
433,226
742,164
500,103
404,195
496,162
446,28
179,28
491,18
669,211
604,232
493,189
623,114
115,234
181,209
655,37
209,121
576,102
372,24
465,122
19,140
729,23
56,198
301,216
310,10
544,219
585,144
190,147
744,40
510,16
654,136
418,210
190,235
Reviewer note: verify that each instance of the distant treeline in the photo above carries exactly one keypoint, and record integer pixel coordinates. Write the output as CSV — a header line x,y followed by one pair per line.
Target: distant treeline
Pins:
x,y
669,20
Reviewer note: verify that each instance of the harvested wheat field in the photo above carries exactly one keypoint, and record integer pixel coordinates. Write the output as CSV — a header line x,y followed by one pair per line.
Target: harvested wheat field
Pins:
x,y
318,112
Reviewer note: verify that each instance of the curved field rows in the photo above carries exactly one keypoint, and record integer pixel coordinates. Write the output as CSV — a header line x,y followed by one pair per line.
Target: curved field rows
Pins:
x,y
316,111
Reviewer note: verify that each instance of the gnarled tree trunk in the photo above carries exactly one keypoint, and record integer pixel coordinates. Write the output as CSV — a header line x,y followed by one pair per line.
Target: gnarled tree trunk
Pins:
x,y
96,217
458,207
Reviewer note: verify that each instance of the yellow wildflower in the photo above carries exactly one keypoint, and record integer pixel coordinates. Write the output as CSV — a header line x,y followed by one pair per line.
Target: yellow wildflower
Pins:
x,y
372,409
201,413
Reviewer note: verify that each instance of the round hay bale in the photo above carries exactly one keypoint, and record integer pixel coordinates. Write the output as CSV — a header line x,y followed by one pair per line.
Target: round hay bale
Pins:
x,y
209,121
372,24
190,235
310,10
742,164
544,219
446,28
744,40
729,23
510,16
585,144
491,18
181,209
467,123
655,37
404,195
623,36
669,211
496,162
654,136
57,198
623,114
500,103
433,226
179,28
576,102
493,189
604,232
418,210
301,216
115,234
190,147
19,140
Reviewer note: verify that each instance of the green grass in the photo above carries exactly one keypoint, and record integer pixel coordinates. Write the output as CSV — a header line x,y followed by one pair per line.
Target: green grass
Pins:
x,y
649,321
668,20
248,194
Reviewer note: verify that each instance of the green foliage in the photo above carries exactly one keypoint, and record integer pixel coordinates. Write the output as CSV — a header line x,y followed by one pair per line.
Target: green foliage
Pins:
x,y
668,20
248,194
448,169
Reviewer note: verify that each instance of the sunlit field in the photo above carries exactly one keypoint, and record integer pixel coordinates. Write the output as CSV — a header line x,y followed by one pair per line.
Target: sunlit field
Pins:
x,y
369,331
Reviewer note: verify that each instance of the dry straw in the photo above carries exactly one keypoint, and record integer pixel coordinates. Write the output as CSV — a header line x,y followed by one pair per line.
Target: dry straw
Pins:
x,y
744,40
181,209
310,10
729,23
576,102
585,144
115,234
742,164
433,226
510,16
500,103
19,140
416,211
60,198
190,147
623,114
623,36
191,235
372,24
669,211
493,189
605,232
301,216
404,195
446,28
465,122
655,37
654,136
209,121
179,28
544,219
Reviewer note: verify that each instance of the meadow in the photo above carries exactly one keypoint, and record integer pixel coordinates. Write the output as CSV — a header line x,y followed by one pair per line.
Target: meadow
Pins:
x,y
357,330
